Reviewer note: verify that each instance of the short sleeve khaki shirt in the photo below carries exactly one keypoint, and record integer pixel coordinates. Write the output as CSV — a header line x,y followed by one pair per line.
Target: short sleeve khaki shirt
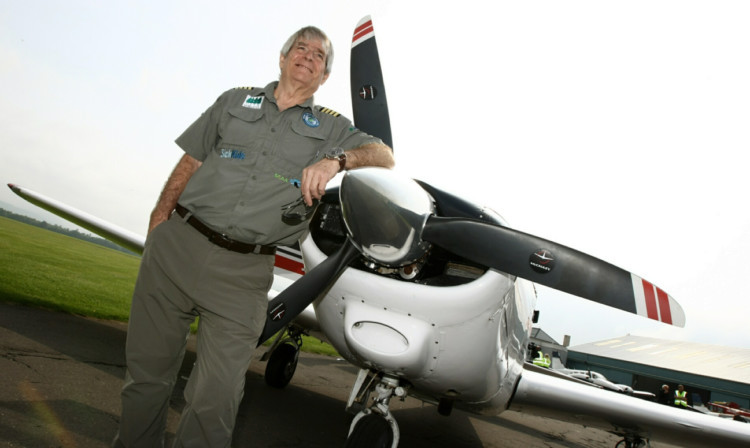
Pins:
x,y
253,156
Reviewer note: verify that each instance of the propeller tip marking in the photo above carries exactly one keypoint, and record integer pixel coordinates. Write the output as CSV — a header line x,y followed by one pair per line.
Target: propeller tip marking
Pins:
x,y
363,31
652,302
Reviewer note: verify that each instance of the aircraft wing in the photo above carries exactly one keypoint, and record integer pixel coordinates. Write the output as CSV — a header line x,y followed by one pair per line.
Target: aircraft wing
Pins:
x,y
116,234
545,393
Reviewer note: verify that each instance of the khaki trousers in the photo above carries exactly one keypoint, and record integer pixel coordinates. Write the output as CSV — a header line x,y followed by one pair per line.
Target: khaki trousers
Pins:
x,y
182,275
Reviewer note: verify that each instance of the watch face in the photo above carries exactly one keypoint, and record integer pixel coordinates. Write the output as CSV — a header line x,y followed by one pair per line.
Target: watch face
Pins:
x,y
334,153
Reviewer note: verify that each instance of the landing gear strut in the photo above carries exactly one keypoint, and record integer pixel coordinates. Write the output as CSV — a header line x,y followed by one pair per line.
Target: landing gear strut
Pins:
x,y
374,426
282,357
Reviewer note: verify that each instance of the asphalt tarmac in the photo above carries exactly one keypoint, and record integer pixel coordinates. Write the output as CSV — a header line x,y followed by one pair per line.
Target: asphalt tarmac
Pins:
x,y
60,379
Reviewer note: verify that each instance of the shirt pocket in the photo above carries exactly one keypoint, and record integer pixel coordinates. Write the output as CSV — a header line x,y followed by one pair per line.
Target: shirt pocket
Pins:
x,y
241,127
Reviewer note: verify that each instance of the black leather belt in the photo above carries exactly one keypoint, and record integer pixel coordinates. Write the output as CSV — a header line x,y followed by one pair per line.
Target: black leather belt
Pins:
x,y
222,240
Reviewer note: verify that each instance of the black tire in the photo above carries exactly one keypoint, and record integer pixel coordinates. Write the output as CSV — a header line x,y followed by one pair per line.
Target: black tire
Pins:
x,y
281,366
372,431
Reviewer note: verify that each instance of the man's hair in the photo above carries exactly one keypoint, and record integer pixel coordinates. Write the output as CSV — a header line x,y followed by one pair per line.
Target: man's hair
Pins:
x,y
311,32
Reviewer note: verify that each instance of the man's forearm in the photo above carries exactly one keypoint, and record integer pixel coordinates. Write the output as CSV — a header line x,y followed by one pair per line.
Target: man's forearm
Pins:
x,y
373,154
173,188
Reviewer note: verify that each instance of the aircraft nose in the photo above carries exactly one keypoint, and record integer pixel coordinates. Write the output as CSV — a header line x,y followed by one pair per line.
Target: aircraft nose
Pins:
x,y
384,214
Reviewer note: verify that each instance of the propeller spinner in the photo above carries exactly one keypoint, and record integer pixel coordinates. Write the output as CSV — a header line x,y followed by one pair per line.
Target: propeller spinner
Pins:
x,y
384,215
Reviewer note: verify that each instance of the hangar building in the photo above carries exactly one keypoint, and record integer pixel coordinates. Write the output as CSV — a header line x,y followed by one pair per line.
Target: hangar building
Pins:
x,y
708,372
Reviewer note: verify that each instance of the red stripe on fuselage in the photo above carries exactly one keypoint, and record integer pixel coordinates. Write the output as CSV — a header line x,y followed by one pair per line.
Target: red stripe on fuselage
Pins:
x,y
648,292
664,311
289,265
363,30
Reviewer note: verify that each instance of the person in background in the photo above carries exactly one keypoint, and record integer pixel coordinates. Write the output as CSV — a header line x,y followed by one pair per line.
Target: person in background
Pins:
x,y
663,396
680,397
540,360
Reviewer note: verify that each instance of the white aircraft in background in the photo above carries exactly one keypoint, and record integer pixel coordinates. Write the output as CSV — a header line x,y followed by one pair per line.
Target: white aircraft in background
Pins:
x,y
432,296
602,381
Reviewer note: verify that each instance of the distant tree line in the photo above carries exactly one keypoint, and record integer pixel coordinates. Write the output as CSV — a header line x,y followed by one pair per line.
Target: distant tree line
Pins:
x,y
63,230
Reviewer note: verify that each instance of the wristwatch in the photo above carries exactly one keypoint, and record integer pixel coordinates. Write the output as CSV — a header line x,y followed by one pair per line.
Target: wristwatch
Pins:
x,y
337,154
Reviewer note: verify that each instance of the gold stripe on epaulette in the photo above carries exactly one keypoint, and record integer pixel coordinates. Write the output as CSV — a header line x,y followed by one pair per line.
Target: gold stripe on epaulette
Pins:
x,y
329,111
243,88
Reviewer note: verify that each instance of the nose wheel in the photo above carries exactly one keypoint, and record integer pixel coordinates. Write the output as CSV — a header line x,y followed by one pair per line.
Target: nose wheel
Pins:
x,y
371,431
374,427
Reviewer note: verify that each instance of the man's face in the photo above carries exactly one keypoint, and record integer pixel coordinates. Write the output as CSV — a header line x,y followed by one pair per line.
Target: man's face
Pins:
x,y
305,63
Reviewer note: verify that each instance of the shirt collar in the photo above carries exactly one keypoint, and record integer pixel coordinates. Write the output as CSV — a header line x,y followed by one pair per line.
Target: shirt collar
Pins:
x,y
269,89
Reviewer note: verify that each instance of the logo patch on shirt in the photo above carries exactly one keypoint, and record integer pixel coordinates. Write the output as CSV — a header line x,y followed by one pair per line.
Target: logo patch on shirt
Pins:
x,y
253,102
310,120
232,154
294,181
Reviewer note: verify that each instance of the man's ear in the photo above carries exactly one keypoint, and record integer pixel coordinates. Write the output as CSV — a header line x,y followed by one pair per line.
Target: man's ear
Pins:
x,y
324,78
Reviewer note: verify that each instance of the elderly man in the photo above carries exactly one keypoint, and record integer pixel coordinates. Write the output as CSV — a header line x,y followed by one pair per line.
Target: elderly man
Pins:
x,y
212,238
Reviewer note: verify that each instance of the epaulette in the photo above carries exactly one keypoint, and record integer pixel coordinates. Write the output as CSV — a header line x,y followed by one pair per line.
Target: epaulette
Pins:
x,y
243,88
328,111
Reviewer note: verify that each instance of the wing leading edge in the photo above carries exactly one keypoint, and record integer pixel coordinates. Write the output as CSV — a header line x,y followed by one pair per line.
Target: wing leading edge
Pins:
x,y
116,234
542,393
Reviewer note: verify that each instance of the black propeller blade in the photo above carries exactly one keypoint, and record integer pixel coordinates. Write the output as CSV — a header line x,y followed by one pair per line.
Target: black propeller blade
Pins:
x,y
369,103
553,265
294,299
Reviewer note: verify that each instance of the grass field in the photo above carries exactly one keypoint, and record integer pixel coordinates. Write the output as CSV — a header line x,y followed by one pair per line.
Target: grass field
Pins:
x,y
49,270
46,269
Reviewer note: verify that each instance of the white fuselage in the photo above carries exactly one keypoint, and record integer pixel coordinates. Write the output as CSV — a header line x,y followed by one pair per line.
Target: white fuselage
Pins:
x,y
465,342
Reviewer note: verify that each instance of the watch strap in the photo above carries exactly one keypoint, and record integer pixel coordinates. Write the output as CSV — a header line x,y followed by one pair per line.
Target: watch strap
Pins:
x,y
342,161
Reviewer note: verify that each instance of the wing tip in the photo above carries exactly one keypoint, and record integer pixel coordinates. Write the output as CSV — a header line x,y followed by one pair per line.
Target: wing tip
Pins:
x,y
17,189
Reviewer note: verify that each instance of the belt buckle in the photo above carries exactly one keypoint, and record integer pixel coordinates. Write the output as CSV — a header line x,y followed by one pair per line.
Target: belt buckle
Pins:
x,y
220,240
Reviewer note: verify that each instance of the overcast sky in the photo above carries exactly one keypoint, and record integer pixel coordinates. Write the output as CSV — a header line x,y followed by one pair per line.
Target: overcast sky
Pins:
x,y
616,128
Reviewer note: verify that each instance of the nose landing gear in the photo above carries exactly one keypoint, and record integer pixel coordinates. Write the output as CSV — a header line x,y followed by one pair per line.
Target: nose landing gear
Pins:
x,y
374,426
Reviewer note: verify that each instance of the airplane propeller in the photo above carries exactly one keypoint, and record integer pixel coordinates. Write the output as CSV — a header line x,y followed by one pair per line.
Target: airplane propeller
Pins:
x,y
390,219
